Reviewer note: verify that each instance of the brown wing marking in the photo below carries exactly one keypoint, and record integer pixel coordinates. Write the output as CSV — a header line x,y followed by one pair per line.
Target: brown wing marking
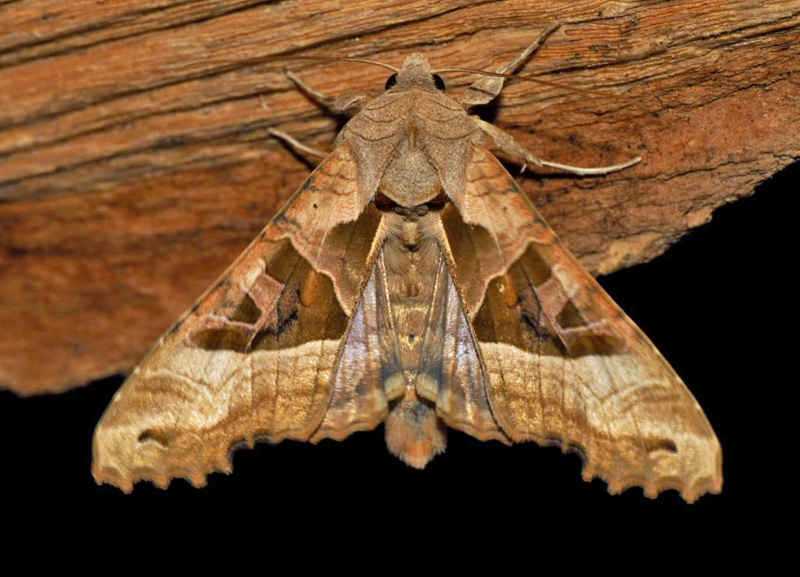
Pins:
x,y
450,371
486,248
563,362
311,219
257,355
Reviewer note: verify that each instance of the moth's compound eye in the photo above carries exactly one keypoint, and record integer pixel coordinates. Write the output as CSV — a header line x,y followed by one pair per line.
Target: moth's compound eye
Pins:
x,y
391,81
438,82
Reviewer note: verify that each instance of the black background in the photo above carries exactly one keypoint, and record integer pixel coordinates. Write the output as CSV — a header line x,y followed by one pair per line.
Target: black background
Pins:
x,y
720,305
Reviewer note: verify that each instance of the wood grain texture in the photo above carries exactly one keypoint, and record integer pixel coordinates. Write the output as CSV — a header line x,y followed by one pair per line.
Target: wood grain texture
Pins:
x,y
135,162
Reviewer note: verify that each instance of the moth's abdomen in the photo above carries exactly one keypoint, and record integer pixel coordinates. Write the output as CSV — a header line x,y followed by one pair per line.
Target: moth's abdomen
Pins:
x,y
444,381
411,261
414,432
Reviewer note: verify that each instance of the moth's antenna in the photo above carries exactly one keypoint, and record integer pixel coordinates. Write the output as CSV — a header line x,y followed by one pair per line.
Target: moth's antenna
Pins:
x,y
330,59
525,78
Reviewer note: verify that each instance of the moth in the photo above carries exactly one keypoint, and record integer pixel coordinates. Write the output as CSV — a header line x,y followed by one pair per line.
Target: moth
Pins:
x,y
410,282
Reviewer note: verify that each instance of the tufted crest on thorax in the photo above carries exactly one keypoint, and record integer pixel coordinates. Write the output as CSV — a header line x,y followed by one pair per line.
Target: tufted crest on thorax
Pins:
x,y
413,141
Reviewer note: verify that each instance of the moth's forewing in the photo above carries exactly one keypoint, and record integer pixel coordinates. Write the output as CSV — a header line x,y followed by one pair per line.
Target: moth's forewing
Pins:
x,y
561,361
257,355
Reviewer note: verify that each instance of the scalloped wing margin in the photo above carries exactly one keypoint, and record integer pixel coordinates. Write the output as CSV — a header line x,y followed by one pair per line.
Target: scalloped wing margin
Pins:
x,y
267,353
562,362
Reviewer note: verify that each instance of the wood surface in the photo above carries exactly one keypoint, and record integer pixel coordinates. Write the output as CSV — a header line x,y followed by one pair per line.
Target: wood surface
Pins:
x,y
135,162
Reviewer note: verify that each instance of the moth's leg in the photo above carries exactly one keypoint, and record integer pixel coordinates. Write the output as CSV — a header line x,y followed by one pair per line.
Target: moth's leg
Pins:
x,y
507,144
342,104
348,103
296,144
488,88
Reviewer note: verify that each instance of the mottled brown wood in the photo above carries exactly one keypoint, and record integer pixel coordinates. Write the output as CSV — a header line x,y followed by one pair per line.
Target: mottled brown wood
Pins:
x,y
135,161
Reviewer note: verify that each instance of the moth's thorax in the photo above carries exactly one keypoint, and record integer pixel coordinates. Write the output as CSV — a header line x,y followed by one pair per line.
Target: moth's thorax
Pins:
x,y
411,143
411,178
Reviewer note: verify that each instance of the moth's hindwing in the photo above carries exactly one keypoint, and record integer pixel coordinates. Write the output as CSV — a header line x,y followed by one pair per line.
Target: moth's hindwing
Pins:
x,y
562,363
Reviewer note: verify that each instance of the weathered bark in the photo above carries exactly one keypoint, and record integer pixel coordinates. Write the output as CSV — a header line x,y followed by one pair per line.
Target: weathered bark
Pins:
x,y
135,161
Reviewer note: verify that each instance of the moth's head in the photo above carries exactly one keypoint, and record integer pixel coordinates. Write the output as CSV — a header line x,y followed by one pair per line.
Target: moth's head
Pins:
x,y
416,71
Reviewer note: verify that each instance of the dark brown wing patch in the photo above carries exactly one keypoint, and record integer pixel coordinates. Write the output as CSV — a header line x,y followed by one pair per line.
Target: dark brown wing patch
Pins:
x,y
289,302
